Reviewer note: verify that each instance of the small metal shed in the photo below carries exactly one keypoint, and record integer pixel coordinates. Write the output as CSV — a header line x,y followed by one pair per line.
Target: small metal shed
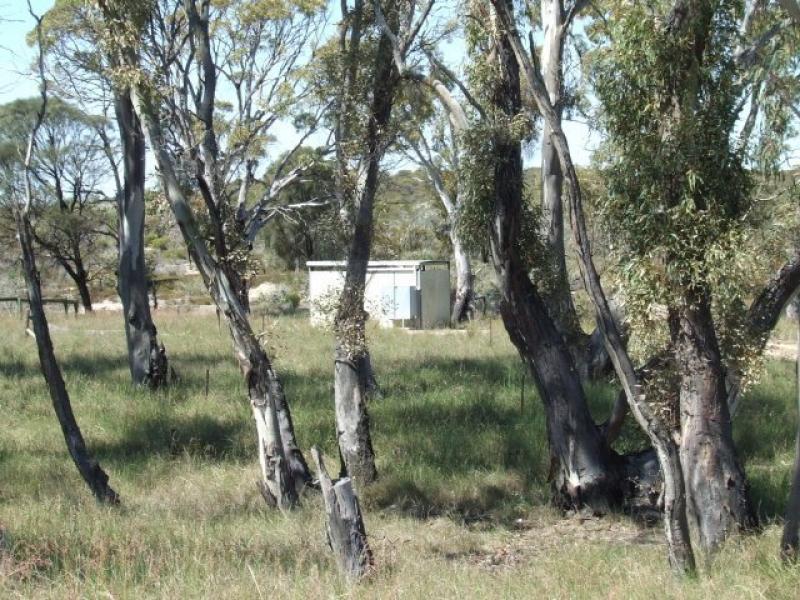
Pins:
x,y
408,293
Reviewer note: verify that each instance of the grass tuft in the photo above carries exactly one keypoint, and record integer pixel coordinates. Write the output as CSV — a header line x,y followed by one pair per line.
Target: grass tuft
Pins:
x,y
460,509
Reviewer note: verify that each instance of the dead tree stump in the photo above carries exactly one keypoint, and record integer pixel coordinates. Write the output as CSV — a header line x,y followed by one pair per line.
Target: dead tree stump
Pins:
x,y
344,524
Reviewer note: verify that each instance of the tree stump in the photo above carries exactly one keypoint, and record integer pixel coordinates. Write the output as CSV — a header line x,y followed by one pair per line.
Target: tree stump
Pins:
x,y
344,523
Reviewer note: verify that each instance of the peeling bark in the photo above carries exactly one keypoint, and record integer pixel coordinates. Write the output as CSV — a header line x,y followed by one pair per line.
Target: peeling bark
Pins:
x,y
585,472
279,484
718,502
344,524
352,368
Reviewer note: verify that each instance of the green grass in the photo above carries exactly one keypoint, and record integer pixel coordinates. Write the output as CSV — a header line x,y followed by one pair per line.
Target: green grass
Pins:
x,y
460,510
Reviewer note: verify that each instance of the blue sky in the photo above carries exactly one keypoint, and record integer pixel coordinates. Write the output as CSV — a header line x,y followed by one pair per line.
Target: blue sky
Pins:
x,y
16,82
15,55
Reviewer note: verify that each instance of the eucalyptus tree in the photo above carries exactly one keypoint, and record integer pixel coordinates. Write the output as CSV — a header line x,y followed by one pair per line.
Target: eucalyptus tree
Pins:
x,y
363,72
697,38
76,61
433,144
229,73
489,124
678,198
682,203
69,172
358,70
22,199
554,21
652,420
131,29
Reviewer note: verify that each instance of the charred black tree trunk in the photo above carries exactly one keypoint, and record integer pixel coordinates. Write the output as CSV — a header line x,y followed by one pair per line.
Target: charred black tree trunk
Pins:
x,y
718,502
89,468
82,283
353,375
584,469
147,358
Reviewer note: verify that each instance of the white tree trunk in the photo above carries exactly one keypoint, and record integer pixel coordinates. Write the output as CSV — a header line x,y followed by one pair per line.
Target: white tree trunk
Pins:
x,y
462,303
253,361
559,296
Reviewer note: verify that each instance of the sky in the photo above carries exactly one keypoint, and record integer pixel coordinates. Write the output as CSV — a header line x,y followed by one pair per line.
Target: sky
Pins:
x,y
16,81
16,59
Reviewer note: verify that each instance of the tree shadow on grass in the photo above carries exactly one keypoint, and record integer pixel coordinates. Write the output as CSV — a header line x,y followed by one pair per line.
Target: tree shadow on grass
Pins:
x,y
100,365
488,504
145,439
452,439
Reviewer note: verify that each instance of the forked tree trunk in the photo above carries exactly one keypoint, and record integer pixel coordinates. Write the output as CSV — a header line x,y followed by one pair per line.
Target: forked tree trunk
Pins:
x,y
78,275
147,358
89,468
676,526
263,385
584,469
353,374
462,303
718,502
558,296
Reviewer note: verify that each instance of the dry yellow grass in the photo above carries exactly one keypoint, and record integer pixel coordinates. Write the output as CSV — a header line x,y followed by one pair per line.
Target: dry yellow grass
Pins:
x,y
460,510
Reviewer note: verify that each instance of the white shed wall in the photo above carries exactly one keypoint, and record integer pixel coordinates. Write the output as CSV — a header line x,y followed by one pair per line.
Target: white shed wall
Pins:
x,y
394,292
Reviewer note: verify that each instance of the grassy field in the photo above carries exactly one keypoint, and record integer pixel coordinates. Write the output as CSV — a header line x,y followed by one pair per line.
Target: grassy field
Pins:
x,y
460,510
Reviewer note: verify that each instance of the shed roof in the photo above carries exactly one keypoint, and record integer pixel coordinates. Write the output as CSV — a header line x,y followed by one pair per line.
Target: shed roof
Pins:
x,y
383,264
